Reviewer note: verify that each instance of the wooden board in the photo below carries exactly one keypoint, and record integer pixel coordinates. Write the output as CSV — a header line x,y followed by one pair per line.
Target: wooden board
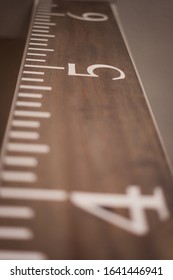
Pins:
x,y
81,152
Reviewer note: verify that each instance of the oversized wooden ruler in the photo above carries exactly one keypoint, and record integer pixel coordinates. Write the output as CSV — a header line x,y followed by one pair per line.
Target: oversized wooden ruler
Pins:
x,y
83,172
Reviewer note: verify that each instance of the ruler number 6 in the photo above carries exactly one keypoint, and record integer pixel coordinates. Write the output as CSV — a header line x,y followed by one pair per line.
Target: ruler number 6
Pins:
x,y
89,16
91,68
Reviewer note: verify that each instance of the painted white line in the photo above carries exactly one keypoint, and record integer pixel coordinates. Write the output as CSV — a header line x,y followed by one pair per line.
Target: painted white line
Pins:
x,y
51,14
35,60
15,233
41,31
30,124
32,80
45,67
45,23
16,212
18,176
41,27
41,16
33,72
32,114
33,194
43,35
35,87
49,5
27,103
28,148
30,95
36,54
45,2
39,39
42,19
38,44
39,49
24,135
42,9
21,255
47,10
20,161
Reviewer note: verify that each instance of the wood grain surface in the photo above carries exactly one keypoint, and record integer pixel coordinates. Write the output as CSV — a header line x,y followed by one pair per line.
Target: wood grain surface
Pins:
x,y
102,140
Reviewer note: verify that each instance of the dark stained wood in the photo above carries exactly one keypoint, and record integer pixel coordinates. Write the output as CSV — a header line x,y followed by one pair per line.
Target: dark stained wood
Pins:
x,y
10,57
102,139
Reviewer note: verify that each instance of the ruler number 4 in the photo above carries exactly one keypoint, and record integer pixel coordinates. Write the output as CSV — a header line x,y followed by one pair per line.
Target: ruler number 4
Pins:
x,y
133,200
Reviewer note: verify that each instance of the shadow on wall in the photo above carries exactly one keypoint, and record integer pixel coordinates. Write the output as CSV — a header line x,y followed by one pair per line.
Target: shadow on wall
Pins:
x,y
14,22
14,16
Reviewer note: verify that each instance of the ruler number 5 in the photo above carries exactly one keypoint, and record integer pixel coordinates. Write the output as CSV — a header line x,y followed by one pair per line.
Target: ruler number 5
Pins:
x,y
89,16
91,68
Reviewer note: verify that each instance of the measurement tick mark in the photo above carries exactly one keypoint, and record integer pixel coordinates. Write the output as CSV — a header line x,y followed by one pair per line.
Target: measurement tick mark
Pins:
x,y
38,44
35,60
36,54
33,194
35,87
16,212
24,135
32,114
20,161
43,35
21,255
51,14
28,148
32,80
21,123
15,233
33,72
30,95
42,19
28,104
39,39
41,31
40,49
41,27
45,23
20,177
40,16
45,67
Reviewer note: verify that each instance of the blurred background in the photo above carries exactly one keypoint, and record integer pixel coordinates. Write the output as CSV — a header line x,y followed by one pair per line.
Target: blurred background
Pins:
x,y
147,26
14,23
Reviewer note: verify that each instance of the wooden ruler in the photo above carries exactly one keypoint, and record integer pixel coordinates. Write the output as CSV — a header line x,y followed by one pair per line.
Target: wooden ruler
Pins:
x,y
83,172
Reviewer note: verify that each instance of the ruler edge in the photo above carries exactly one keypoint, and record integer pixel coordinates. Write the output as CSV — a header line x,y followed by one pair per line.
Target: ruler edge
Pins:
x,y
115,13
114,9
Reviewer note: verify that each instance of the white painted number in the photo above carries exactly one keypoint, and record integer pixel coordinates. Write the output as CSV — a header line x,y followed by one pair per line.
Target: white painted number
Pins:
x,y
91,68
132,200
89,16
